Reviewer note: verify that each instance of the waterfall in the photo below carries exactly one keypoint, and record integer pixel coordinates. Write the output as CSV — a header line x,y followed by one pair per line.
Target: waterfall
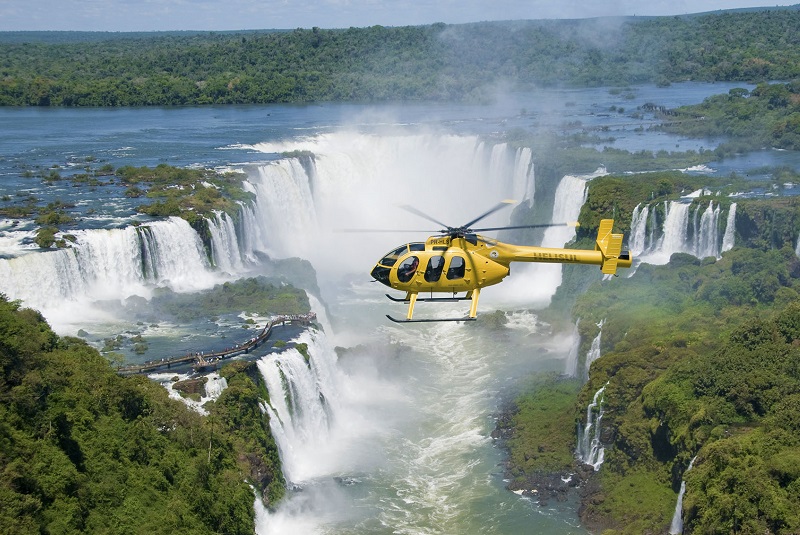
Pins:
x,y
571,367
523,176
225,248
707,236
303,405
687,228
676,223
590,449
360,179
212,389
637,241
570,197
594,350
310,188
676,527
109,264
730,230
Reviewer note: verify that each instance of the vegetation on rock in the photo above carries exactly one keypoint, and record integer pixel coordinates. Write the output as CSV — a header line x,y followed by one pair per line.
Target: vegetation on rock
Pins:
x,y
85,450
701,360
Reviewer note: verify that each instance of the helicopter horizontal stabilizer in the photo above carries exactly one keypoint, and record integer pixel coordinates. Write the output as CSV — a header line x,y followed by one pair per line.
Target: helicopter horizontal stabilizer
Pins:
x,y
431,320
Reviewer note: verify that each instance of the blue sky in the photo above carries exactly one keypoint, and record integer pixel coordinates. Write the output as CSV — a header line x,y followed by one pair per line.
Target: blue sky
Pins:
x,y
152,15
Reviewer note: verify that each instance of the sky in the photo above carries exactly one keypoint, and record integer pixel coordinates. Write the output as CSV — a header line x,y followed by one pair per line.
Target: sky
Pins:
x,y
218,15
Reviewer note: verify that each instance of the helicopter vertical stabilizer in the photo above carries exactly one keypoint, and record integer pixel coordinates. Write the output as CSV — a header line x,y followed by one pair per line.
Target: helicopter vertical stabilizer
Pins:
x,y
610,245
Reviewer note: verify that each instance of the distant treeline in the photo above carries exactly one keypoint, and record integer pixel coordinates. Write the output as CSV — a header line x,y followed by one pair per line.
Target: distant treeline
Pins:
x,y
453,62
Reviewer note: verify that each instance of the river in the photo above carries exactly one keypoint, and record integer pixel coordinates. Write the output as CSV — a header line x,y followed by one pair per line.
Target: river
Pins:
x,y
402,441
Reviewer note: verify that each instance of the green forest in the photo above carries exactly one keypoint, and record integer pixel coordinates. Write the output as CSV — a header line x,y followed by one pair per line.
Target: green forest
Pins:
x,y
701,359
85,450
434,62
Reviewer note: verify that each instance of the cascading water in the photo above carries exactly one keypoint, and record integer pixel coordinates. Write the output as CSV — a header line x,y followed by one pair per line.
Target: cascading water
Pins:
x,y
730,230
303,405
571,366
594,350
225,243
676,527
687,228
676,225
536,283
707,236
108,264
590,449
638,237
358,178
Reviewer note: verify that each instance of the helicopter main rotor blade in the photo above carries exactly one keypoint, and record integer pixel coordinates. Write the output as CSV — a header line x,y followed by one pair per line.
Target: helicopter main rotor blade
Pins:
x,y
414,211
542,225
489,212
370,230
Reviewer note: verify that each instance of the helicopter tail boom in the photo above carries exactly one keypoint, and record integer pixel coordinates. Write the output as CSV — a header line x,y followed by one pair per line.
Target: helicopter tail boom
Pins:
x,y
607,254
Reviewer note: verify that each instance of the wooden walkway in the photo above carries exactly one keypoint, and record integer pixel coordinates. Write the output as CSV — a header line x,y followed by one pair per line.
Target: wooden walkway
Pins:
x,y
201,360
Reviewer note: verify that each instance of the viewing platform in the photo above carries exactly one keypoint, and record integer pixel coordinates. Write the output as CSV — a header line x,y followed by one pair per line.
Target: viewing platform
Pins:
x,y
203,360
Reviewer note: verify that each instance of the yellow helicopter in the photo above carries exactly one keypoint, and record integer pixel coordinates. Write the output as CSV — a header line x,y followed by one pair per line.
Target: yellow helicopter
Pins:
x,y
459,260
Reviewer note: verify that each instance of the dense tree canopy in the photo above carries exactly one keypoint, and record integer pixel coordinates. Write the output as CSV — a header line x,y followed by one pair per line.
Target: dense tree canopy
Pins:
x,y
392,63
84,450
701,360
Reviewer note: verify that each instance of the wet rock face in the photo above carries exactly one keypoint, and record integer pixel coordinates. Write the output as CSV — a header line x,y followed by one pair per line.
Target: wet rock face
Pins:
x,y
189,387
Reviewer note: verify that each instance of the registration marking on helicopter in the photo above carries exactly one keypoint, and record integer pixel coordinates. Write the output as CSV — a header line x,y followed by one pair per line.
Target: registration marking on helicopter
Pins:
x,y
555,256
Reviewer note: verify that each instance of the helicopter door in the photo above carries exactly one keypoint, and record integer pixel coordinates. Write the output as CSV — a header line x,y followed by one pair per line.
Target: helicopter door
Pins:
x,y
407,268
456,268
434,270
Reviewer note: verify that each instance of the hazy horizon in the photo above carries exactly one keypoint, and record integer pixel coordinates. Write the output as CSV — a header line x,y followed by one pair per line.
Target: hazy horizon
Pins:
x,y
235,15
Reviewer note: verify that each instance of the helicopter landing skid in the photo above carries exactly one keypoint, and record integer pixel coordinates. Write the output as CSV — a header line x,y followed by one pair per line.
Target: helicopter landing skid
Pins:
x,y
431,320
429,299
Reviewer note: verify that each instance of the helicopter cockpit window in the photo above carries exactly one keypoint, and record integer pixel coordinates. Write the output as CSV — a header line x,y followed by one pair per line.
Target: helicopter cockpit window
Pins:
x,y
456,269
416,246
434,269
392,257
406,270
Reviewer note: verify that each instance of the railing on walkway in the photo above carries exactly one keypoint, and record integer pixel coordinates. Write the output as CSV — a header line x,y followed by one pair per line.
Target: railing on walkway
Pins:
x,y
204,359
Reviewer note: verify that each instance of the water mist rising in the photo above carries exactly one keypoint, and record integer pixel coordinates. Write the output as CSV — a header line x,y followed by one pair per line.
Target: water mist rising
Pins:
x,y
349,180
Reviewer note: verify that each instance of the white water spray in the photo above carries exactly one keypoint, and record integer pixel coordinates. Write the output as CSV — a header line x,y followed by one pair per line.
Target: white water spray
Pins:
x,y
571,365
108,265
654,245
594,350
676,527
730,230
590,449
637,241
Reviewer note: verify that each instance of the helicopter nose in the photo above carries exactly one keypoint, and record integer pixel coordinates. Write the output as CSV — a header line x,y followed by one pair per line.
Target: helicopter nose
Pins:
x,y
381,274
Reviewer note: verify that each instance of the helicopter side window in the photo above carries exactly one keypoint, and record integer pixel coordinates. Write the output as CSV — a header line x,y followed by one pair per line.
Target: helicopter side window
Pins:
x,y
456,269
434,269
406,270
416,246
